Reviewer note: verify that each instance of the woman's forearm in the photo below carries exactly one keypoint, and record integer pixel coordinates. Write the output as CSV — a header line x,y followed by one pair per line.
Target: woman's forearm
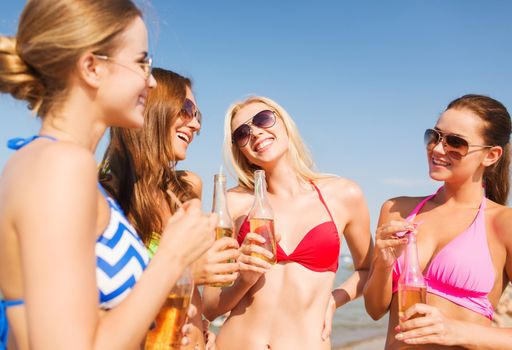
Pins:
x,y
351,288
218,301
378,291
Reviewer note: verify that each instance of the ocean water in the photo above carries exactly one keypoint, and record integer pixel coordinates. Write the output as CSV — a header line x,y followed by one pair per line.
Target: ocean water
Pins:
x,y
351,323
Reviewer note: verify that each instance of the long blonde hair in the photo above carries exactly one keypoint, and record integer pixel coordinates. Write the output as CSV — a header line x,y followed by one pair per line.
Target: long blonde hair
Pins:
x,y
52,35
298,153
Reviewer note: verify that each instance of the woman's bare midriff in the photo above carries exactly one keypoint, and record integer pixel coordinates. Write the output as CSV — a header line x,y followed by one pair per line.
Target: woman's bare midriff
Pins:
x,y
284,310
450,310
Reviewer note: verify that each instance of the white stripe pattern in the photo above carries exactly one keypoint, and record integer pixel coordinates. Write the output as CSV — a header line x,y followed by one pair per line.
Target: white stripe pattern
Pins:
x,y
121,258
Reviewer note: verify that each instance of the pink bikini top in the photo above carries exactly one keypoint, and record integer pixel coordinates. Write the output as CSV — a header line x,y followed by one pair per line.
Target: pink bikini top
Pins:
x,y
317,251
462,271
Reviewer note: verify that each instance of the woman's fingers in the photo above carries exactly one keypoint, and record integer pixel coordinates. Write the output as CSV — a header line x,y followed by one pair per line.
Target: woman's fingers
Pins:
x,y
256,249
254,237
221,269
418,308
390,229
225,243
432,330
223,279
390,243
253,261
252,268
226,255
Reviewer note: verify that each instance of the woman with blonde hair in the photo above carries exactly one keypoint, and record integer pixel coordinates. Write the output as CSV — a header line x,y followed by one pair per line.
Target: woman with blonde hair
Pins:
x,y
289,305
66,248
139,170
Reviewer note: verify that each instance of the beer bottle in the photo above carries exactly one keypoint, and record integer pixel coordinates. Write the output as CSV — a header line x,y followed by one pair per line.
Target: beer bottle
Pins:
x,y
261,216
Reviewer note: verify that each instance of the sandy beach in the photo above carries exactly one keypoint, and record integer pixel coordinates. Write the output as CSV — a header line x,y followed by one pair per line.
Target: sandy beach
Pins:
x,y
370,344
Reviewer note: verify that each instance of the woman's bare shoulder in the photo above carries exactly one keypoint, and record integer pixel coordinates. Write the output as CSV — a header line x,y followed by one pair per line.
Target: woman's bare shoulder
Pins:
x,y
502,221
191,177
340,189
400,207
239,200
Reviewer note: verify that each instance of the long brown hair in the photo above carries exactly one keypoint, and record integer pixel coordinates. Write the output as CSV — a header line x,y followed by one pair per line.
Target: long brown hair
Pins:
x,y
497,129
52,35
138,167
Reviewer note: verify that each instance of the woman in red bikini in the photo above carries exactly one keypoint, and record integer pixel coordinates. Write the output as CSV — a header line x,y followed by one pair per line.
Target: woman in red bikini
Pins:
x,y
463,222
289,305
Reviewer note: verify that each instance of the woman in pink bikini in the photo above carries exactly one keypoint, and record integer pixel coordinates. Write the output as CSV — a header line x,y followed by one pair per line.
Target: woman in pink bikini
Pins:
x,y
288,305
463,222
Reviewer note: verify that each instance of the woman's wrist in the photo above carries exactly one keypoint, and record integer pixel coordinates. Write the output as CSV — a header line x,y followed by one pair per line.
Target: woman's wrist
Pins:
x,y
340,297
381,264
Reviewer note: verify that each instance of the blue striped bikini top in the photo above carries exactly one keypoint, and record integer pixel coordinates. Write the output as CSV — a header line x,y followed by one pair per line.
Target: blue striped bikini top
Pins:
x,y
121,257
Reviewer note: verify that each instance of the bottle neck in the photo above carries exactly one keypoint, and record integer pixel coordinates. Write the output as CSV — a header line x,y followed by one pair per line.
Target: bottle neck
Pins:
x,y
220,206
411,252
260,186
261,208
411,274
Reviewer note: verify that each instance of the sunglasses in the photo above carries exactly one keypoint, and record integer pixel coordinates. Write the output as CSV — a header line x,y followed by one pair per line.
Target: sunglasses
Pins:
x,y
145,64
190,111
263,120
455,146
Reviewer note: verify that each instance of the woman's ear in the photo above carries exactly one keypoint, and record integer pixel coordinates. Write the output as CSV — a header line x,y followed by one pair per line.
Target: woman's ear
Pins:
x,y
91,69
493,155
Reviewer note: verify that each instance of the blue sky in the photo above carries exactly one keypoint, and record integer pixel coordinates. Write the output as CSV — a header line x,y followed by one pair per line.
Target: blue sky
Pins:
x,y
362,79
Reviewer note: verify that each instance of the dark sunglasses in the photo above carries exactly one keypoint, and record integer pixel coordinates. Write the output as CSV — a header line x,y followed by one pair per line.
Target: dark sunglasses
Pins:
x,y
264,120
454,146
190,111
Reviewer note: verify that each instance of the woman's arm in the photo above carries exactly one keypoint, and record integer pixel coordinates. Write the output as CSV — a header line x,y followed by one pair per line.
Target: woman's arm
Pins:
x,y
213,266
359,241
57,232
378,289
218,301
435,328
357,234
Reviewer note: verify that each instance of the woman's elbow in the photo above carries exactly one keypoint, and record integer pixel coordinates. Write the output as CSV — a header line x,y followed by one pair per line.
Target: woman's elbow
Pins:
x,y
375,313
209,314
373,309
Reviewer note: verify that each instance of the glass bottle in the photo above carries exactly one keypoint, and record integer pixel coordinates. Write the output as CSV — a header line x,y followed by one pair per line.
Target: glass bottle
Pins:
x,y
412,288
220,207
167,332
261,216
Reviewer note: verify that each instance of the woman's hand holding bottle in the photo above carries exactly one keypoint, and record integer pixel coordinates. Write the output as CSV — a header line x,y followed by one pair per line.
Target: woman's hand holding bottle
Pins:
x,y
251,265
218,265
189,232
390,242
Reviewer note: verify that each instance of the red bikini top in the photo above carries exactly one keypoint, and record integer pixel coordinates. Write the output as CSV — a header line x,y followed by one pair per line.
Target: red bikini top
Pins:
x,y
318,250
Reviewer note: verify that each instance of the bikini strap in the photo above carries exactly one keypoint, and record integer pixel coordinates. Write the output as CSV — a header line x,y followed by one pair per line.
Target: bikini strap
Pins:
x,y
4,324
19,142
9,303
415,211
321,199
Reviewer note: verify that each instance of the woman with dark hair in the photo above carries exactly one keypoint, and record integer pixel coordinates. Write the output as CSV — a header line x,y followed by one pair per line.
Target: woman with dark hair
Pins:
x,y
463,222
66,249
139,170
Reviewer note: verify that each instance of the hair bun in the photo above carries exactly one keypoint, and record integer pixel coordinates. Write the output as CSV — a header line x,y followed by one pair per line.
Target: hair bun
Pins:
x,y
16,77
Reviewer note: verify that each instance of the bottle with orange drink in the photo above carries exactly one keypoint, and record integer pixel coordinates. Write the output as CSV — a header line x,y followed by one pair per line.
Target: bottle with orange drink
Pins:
x,y
412,288
224,226
171,318
261,216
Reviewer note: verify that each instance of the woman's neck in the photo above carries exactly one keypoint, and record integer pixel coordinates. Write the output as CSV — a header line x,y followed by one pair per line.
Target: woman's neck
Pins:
x,y
282,180
467,194
69,122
